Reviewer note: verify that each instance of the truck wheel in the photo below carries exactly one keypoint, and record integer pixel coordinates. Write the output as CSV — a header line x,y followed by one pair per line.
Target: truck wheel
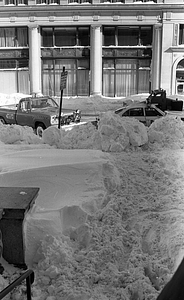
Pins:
x,y
2,120
39,129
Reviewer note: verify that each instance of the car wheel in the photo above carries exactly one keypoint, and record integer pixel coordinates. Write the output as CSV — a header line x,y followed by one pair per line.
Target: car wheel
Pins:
x,y
39,129
2,120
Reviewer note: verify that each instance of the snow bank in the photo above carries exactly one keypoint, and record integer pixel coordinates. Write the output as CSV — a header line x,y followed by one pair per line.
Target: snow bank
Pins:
x,y
117,133
114,134
12,134
167,132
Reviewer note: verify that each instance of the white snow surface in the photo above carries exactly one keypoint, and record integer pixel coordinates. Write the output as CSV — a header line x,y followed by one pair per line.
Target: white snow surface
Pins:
x,y
108,221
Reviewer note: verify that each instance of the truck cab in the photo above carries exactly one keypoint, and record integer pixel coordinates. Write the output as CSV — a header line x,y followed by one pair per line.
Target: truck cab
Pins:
x,y
38,113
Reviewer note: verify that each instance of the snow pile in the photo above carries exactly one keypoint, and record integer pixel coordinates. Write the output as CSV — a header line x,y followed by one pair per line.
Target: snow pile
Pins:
x,y
114,134
80,137
167,132
117,133
14,98
129,247
12,134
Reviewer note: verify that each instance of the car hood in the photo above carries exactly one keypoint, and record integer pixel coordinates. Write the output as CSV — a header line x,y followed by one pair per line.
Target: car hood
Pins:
x,y
50,111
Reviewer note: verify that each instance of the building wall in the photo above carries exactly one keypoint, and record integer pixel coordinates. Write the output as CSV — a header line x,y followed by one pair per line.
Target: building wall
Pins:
x,y
164,16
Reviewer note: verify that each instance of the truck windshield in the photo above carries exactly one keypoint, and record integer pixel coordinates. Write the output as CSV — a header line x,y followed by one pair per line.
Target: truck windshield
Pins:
x,y
43,102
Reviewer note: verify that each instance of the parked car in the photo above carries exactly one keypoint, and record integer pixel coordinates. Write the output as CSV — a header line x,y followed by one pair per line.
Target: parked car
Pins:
x,y
142,112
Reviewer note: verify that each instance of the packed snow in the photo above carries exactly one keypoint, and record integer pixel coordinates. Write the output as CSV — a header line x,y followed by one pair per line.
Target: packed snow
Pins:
x,y
108,220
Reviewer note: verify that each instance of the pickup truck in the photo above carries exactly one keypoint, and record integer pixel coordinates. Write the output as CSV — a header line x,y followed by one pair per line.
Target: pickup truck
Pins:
x,y
159,98
36,112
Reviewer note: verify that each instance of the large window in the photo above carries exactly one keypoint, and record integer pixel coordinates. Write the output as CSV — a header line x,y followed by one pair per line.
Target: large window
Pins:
x,y
127,35
79,1
65,36
127,52
123,77
112,1
66,46
13,37
47,2
77,79
16,2
155,1
16,72
180,77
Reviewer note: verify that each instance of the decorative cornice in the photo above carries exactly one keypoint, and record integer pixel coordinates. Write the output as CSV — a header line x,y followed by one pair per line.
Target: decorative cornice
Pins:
x,y
153,8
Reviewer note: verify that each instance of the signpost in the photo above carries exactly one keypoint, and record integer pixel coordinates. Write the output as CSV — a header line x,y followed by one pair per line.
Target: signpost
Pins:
x,y
62,87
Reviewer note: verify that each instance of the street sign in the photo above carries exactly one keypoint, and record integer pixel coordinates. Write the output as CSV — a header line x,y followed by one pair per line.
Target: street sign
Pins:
x,y
63,80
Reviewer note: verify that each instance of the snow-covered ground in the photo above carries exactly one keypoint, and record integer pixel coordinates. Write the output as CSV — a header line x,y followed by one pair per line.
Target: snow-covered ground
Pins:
x,y
108,221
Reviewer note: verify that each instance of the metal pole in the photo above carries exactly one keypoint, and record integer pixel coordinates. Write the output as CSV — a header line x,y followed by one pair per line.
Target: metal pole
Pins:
x,y
60,106
28,284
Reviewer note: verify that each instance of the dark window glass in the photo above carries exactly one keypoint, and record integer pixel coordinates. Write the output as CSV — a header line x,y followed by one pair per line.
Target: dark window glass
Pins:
x,y
136,112
181,34
146,36
181,64
14,64
41,2
83,36
126,113
10,37
152,112
8,64
109,36
53,2
155,1
9,2
65,36
23,63
22,2
47,37
128,36
22,37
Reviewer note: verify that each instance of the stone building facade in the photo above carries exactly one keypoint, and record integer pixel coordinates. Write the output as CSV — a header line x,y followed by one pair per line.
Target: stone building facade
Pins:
x,y
109,47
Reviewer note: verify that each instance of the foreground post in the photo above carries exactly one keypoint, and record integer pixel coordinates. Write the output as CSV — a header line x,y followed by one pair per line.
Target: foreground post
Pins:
x,y
62,87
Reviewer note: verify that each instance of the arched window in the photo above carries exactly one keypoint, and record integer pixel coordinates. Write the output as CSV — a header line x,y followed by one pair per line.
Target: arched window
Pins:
x,y
180,77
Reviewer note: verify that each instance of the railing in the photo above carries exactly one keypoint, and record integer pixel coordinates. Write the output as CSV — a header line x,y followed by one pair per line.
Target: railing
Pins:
x,y
28,275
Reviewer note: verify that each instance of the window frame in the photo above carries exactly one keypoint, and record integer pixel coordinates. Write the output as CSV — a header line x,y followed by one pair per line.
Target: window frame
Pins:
x,y
16,45
77,35
117,28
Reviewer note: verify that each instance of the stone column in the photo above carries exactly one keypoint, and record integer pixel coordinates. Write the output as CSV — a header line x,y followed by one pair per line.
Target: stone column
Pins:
x,y
96,60
156,57
34,60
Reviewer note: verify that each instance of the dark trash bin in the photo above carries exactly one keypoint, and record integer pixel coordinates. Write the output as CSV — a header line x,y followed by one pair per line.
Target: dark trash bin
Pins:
x,y
15,202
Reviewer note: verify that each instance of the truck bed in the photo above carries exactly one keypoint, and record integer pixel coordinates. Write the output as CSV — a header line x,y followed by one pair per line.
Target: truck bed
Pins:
x,y
175,113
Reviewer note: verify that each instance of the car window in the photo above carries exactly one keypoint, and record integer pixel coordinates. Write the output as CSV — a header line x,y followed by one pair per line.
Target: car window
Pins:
x,y
43,102
126,113
151,111
136,112
25,105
